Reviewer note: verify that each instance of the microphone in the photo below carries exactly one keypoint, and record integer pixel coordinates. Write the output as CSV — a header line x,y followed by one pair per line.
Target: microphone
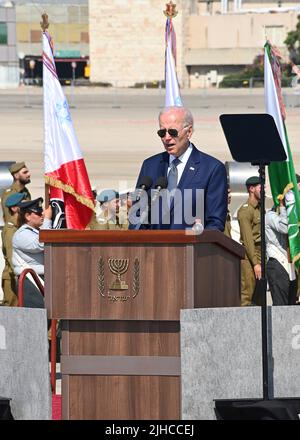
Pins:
x,y
144,184
161,183
198,227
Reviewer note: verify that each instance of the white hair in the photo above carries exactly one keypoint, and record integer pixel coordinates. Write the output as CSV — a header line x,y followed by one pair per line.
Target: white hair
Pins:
x,y
187,115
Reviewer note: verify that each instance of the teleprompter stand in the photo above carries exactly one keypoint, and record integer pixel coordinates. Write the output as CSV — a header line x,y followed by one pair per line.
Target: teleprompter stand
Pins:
x,y
254,138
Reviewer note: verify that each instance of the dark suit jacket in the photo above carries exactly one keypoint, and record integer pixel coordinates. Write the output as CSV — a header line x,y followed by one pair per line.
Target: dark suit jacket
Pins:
x,y
201,172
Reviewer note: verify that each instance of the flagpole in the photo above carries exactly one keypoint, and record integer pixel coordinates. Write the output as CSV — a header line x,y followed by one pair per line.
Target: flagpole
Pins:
x,y
264,306
44,25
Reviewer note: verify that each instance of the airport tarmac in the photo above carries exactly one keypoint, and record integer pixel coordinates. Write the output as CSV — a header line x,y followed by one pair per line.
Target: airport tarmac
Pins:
x,y
116,128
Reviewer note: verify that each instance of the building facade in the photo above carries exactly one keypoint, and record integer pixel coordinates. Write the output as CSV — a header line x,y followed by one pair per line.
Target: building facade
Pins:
x,y
127,40
214,38
122,42
232,35
69,28
9,65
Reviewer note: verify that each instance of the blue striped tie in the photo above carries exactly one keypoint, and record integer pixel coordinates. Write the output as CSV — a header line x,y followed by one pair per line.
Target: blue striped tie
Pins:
x,y
173,175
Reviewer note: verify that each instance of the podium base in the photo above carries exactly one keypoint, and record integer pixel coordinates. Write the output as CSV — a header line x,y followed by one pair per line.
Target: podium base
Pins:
x,y
258,409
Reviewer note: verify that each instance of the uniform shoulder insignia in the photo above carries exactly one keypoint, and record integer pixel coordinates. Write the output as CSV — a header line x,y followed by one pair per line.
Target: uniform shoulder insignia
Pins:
x,y
8,190
245,205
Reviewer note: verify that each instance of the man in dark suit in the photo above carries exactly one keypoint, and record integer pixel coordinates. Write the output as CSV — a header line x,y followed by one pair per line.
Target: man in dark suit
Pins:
x,y
188,171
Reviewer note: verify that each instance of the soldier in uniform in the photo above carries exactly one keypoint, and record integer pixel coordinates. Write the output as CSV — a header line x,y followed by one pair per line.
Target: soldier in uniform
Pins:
x,y
21,178
8,282
28,251
249,221
227,230
111,216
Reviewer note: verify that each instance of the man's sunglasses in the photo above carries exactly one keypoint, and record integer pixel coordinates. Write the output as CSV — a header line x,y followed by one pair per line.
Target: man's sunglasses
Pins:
x,y
173,132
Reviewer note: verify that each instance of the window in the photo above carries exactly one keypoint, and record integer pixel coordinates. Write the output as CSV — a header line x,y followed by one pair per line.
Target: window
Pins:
x,y
3,33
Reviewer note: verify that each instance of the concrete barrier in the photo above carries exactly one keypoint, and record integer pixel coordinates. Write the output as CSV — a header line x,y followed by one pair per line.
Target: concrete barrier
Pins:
x,y
221,356
24,363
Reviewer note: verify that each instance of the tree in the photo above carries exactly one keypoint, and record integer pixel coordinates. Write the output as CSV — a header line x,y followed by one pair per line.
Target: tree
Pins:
x,y
292,42
250,75
253,75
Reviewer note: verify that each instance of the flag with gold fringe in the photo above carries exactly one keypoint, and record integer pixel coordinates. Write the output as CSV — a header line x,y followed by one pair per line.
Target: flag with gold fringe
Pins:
x,y
65,170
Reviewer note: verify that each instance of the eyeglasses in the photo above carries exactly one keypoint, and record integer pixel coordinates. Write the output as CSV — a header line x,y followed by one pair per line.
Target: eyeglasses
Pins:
x,y
173,132
36,213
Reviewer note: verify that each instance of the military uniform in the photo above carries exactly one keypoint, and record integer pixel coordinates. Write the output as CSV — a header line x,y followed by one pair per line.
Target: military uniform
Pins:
x,y
108,220
8,279
28,252
249,221
103,222
9,228
227,230
15,188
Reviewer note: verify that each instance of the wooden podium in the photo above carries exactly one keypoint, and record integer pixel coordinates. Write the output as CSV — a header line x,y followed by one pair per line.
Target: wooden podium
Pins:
x,y
119,295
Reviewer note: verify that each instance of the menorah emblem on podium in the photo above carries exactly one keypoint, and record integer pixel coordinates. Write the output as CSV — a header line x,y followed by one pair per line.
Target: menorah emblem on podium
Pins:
x,y
118,266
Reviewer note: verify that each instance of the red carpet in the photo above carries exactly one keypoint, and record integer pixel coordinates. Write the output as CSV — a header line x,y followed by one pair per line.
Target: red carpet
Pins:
x,y
56,407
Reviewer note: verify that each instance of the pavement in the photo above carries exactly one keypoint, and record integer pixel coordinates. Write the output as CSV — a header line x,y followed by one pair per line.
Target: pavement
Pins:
x,y
116,128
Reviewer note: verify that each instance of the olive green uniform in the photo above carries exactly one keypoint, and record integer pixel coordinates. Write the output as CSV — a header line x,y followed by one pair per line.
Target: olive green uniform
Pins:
x,y
249,221
227,230
9,228
103,222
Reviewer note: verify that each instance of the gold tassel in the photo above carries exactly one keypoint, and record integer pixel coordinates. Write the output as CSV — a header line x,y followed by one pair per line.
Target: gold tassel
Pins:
x,y
286,189
70,190
296,258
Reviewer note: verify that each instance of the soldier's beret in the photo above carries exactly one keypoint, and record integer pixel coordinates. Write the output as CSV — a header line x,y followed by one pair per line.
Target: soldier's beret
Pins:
x,y
107,195
252,181
14,199
298,178
14,168
35,205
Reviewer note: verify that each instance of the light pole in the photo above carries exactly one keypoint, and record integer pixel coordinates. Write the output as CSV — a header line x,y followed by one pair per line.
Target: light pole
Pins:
x,y
74,65
21,56
31,66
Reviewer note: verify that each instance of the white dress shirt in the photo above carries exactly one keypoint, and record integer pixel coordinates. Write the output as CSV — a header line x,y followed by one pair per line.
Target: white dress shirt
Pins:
x,y
28,248
277,239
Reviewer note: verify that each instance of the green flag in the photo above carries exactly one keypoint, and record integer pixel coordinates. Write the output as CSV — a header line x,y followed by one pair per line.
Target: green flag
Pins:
x,y
282,174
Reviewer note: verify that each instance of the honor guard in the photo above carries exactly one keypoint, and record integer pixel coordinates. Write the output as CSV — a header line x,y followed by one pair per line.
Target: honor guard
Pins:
x,y
21,176
249,221
111,215
28,251
9,228
227,230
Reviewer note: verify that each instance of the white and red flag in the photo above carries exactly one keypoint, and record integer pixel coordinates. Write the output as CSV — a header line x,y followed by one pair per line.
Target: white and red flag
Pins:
x,y
65,170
